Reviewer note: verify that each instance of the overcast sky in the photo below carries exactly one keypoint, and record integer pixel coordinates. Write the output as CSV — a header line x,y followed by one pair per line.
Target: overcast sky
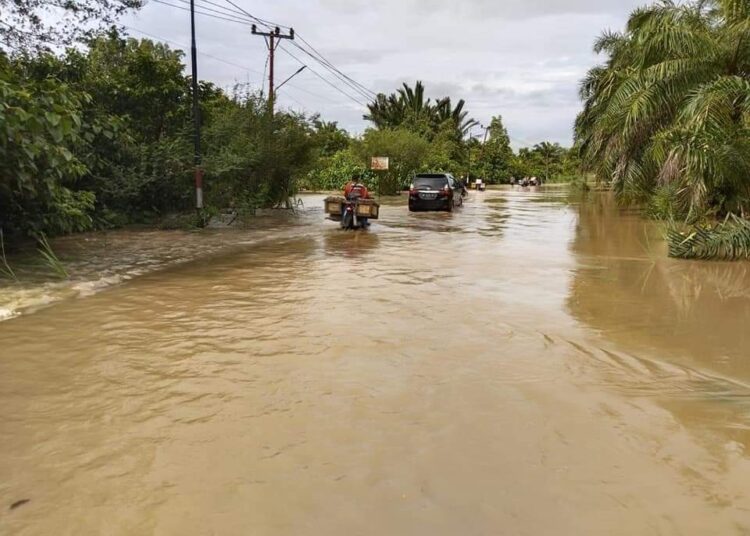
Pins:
x,y
521,59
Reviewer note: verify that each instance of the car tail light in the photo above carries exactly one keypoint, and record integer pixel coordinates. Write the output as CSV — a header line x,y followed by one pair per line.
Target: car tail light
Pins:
x,y
445,192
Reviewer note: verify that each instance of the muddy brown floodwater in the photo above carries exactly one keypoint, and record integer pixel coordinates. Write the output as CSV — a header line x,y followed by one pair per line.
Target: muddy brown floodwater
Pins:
x,y
523,366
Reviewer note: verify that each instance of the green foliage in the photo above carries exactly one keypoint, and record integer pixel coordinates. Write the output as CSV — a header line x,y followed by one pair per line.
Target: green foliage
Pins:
x,y
495,158
50,259
408,109
729,240
103,137
671,105
408,152
328,138
332,172
662,205
548,161
253,158
41,132
28,25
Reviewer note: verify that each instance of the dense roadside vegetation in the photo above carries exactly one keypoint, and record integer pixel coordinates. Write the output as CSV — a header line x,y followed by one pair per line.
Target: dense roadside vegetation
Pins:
x,y
99,134
666,120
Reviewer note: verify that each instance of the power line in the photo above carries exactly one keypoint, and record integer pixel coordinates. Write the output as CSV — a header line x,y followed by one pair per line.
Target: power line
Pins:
x,y
286,93
243,67
365,88
353,84
267,24
221,6
334,86
343,78
201,12
224,11
263,22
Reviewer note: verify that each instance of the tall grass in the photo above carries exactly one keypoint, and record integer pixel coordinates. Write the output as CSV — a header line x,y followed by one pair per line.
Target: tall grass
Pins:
x,y
50,259
5,270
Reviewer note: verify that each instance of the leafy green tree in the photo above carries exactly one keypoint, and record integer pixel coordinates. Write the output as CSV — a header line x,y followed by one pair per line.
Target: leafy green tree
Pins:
x,y
571,163
550,157
671,106
328,137
495,156
40,129
33,25
252,159
407,151
332,172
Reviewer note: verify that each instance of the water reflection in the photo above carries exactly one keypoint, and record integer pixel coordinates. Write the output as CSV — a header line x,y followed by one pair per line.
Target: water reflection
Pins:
x,y
350,244
679,328
692,312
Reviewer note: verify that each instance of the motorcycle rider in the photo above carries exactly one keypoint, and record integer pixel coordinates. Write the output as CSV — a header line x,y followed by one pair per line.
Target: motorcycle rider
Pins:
x,y
353,191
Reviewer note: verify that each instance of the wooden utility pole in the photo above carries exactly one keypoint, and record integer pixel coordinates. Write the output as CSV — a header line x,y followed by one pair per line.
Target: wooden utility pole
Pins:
x,y
196,115
273,38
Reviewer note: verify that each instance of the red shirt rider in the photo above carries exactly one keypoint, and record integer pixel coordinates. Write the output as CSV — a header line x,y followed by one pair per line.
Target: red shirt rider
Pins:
x,y
355,187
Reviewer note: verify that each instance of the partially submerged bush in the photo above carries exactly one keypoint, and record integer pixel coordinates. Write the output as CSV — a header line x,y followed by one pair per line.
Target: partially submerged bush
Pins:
x,y
729,240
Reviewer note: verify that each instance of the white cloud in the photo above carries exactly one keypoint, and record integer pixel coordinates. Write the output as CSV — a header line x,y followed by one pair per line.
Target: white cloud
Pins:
x,y
518,58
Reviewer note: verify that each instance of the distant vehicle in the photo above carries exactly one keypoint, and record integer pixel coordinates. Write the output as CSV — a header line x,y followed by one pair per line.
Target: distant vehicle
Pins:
x,y
435,191
480,185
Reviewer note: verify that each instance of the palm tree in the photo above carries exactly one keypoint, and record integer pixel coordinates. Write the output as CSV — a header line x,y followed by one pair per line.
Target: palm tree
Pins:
x,y
386,111
409,108
671,106
444,111
413,99
549,154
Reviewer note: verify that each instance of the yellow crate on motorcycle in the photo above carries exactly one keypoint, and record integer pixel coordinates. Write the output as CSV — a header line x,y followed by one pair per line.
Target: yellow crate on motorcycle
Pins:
x,y
333,205
368,208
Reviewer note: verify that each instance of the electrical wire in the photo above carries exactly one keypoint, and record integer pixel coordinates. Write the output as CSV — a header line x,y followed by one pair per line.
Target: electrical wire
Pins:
x,y
340,76
197,12
286,94
329,67
243,67
316,73
353,84
224,11
262,22
365,88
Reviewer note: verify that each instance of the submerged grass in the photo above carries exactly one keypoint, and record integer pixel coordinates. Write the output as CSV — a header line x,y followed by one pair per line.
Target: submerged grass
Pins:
x,y
728,240
49,257
5,270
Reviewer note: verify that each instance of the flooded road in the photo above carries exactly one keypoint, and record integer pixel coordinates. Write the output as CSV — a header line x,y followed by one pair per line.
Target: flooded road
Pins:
x,y
523,366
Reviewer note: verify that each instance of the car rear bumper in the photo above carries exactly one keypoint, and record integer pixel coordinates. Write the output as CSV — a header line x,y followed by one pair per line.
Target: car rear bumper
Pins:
x,y
429,204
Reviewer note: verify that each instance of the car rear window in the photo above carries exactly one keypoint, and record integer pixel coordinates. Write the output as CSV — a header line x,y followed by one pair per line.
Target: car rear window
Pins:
x,y
434,183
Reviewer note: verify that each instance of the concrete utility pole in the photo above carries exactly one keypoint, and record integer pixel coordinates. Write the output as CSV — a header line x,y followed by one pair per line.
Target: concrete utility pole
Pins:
x,y
196,115
273,38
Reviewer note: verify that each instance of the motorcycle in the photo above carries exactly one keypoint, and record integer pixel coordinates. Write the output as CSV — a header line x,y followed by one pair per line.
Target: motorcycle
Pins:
x,y
349,219
352,213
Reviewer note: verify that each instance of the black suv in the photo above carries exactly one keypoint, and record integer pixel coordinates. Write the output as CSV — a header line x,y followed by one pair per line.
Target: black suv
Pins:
x,y
435,191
